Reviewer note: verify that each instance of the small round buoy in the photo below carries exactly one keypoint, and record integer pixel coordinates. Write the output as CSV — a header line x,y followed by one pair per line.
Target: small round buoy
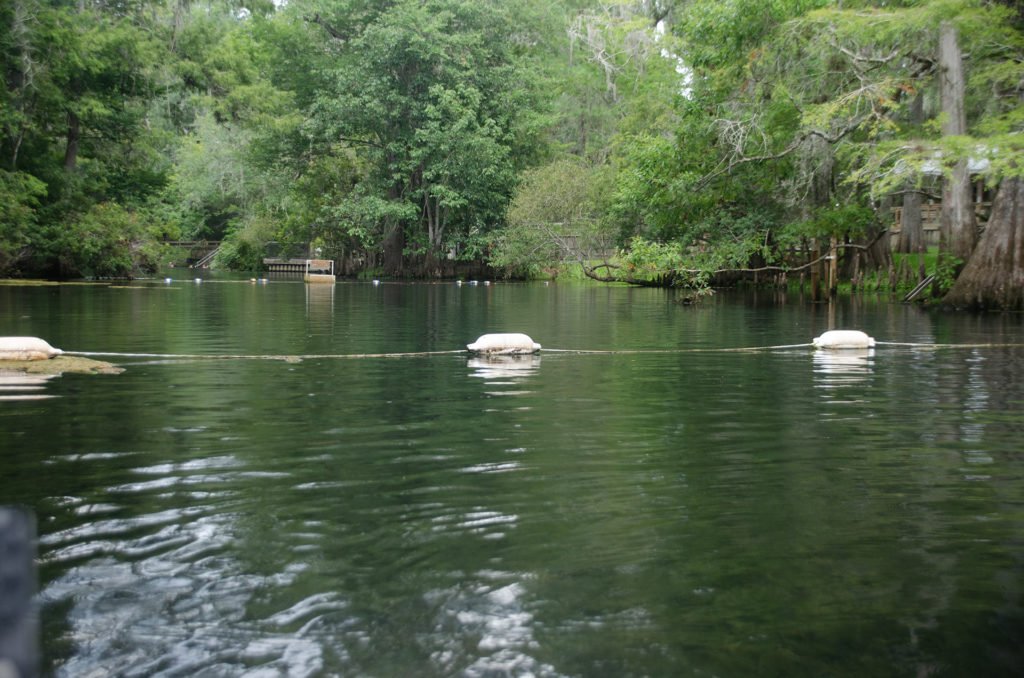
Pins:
x,y
168,280
843,339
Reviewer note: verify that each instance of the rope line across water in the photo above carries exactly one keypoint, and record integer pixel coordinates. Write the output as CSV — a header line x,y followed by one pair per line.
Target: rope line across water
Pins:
x,y
287,358
420,354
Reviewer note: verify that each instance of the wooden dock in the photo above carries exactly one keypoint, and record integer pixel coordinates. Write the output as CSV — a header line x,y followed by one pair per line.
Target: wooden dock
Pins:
x,y
275,265
319,271
312,270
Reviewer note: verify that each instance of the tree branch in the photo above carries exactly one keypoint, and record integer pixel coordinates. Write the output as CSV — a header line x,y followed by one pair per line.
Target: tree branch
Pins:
x,y
331,30
795,144
591,271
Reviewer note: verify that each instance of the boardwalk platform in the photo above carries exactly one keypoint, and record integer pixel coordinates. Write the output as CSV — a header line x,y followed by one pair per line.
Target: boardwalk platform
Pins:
x,y
319,271
275,265
312,270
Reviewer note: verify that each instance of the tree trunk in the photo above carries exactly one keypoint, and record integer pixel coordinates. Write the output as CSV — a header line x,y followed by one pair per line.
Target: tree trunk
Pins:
x,y
994,275
181,8
959,231
71,151
394,250
911,230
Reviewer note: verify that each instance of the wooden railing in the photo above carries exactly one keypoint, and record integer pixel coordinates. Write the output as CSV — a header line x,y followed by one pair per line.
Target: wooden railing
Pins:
x,y
931,219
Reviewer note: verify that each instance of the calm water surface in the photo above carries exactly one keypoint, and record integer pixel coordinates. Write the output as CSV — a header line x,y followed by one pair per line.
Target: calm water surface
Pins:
x,y
672,513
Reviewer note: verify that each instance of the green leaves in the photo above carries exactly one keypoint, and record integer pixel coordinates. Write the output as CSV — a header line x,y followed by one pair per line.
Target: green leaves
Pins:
x,y
556,215
105,242
428,95
20,196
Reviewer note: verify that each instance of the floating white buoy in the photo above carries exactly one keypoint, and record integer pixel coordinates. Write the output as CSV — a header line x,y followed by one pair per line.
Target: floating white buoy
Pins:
x,y
843,339
26,348
168,280
199,280
512,343
376,282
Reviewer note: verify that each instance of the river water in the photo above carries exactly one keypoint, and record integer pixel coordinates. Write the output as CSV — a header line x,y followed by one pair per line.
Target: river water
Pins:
x,y
661,511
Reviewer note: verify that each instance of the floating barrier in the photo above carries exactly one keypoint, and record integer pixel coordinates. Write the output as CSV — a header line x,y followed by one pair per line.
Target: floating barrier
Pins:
x,y
837,340
511,343
26,348
844,342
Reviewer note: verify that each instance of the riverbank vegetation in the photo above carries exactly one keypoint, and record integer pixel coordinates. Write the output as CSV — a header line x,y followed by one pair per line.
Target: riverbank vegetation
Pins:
x,y
667,142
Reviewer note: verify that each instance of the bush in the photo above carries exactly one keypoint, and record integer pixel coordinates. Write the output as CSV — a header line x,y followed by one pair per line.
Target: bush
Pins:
x,y
107,241
19,197
244,246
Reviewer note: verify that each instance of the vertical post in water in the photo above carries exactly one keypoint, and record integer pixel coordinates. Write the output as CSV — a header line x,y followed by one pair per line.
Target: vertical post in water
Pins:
x,y
19,621
833,268
815,272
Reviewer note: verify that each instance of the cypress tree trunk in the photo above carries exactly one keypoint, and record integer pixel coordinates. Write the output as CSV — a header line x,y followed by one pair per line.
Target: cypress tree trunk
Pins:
x,y
994,276
394,250
959,232
911,230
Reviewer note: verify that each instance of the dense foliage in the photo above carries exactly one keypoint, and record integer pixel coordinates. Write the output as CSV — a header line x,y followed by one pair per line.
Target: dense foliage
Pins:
x,y
649,140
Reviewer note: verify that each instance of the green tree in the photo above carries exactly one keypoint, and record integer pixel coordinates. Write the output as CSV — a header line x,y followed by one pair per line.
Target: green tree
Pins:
x,y
555,216
797,106
436,99
73,129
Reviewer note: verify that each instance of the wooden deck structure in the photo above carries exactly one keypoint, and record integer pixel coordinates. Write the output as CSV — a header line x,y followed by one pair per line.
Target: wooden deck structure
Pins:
x,y
276,265
319,271
931,219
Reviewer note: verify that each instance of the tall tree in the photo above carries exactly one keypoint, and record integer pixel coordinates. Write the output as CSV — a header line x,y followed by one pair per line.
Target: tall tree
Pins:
x,y
911,227
435,96
959,232
994,276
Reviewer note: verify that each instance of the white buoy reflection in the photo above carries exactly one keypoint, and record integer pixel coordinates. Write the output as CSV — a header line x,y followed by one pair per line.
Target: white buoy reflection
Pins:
x,y
513,367
504,370
22,386
837,372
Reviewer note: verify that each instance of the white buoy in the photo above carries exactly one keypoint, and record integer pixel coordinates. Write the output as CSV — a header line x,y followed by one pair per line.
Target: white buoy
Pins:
x,y
376,282
843,339
26,348
510,343
168,280
199,280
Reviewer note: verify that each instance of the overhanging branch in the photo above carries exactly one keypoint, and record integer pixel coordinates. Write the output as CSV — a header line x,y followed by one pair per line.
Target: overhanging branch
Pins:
x,y
331,30
795,144
591,271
